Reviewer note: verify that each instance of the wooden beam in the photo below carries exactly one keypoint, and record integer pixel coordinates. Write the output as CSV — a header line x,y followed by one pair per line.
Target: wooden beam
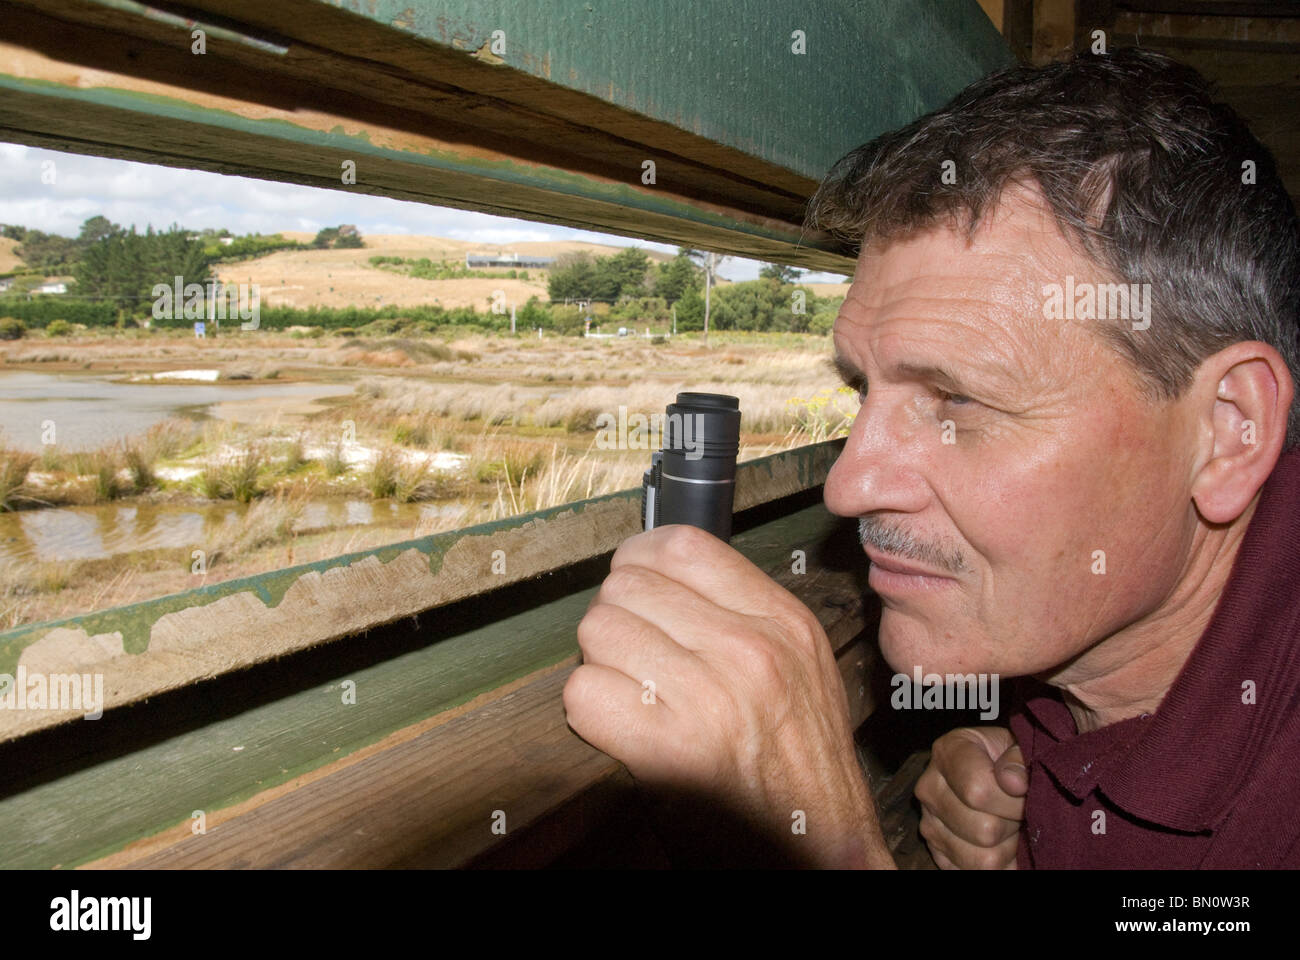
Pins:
x,y
1244,33
995,10
1018,28
1215,8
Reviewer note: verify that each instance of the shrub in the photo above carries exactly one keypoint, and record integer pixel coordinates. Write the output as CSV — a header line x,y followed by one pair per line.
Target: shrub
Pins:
x,y
11,328
58,328
412,432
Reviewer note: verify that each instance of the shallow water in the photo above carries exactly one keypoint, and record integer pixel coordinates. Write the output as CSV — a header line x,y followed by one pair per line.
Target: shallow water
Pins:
x,y
89,411
107,530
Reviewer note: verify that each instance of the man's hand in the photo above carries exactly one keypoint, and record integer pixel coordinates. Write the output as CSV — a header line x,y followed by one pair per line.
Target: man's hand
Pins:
x,y
701,673
973,798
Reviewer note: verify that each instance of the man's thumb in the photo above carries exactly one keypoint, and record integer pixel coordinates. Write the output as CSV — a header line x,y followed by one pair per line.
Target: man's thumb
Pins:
x,y
1010,771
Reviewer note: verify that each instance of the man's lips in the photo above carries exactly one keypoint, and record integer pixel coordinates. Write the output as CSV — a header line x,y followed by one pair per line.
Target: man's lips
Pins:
x,y
893,565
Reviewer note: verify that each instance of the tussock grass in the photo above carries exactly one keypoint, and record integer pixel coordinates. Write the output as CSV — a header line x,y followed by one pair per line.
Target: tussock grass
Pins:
x,y
235,478
565,477
495,457
14,467
381,475
267,521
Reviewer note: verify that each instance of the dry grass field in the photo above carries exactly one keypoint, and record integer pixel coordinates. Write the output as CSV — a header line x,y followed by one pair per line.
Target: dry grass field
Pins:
x,y
9,261
342,278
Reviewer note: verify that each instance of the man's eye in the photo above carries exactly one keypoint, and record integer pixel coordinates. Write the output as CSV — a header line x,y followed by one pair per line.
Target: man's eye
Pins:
x,y
956,399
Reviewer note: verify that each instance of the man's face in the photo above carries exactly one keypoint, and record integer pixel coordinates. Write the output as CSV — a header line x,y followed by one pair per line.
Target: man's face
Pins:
x,y
1054,455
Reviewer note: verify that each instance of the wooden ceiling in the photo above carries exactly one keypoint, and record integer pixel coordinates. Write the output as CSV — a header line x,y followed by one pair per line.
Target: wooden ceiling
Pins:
x,y
1249,48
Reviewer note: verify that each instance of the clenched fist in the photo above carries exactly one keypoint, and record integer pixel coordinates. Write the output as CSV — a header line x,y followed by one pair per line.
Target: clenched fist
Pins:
x,y
702,674
973,798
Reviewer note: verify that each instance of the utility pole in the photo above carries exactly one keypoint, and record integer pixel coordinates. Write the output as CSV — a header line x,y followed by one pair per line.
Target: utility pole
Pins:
x,y
710,261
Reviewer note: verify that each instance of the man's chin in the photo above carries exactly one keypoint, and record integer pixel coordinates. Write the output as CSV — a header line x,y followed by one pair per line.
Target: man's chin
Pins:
x,y
910,646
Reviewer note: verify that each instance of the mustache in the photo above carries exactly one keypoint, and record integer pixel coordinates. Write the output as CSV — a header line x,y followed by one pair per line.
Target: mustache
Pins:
x,y
892,540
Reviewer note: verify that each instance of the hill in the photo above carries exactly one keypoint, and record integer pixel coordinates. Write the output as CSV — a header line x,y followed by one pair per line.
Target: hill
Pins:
x,y
9,261
340,278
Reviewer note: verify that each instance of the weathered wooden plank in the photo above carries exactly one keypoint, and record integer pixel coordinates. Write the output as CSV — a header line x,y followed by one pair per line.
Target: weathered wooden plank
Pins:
x,y
431,800
1055,22
156,645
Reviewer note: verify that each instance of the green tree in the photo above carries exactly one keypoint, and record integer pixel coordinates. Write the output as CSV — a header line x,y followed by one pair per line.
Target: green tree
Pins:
x,y
572,278
122,268
673,277
95,229
780,272
690,310
48,252
624,273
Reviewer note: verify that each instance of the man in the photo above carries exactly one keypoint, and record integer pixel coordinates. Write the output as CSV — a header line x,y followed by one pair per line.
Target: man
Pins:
x,y
1091,486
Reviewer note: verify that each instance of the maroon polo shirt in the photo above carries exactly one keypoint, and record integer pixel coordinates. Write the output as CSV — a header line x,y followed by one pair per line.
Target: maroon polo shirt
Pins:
x,y
1207,781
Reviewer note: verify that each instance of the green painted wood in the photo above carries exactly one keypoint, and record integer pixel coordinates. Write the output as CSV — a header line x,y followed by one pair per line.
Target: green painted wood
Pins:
x,y
106,805
725,68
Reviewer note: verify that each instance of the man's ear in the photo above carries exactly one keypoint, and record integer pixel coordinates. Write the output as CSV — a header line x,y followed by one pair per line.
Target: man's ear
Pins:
x,y
1241,399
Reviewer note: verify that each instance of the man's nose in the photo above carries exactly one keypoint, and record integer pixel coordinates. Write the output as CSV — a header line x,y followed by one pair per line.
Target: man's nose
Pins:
x,y
881,467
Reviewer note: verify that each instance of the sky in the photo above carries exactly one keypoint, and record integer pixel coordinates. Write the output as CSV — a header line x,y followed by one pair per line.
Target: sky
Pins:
x,y
141,194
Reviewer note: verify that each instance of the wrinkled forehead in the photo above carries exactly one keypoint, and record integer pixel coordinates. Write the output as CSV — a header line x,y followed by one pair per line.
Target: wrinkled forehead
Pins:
x,y
979,296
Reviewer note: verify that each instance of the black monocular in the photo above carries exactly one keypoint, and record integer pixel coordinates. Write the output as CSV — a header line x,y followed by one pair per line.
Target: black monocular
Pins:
x,y
692,480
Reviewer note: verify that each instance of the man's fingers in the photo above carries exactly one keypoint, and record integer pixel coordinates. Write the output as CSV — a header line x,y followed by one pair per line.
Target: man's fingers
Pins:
x,y
718,572
951,852
681,613
613,636
1011,774
968,770
604,707
972,825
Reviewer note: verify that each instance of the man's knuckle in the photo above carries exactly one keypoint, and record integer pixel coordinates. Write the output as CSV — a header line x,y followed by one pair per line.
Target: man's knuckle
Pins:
x,y
977,792
987,830
987,858
576,690
928,785
683,544
595,623
759,661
